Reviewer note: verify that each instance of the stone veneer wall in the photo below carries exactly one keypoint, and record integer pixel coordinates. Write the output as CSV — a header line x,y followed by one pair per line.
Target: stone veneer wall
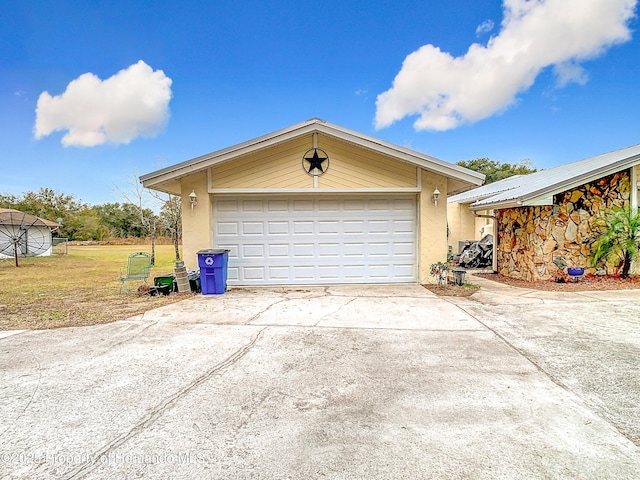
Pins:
x,y
529,238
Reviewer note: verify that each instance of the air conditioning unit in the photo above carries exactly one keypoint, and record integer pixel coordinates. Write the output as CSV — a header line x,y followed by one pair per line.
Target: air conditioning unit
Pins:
x,y
486,230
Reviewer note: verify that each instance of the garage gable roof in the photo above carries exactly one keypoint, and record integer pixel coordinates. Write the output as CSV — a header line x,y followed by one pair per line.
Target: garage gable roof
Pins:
x,y
315,125
538,188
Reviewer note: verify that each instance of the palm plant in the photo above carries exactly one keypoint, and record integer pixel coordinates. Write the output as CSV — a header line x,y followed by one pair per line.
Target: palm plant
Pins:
x,y
619,241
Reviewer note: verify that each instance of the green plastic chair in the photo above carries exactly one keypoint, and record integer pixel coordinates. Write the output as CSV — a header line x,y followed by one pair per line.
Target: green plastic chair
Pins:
x,y
138,268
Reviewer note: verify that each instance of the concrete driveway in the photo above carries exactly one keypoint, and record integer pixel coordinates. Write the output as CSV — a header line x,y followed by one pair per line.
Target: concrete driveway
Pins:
x,y
336,383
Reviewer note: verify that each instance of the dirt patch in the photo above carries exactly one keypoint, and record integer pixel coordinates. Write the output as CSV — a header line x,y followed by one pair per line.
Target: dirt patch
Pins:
x,y
452,290
77,308
78,289
588,282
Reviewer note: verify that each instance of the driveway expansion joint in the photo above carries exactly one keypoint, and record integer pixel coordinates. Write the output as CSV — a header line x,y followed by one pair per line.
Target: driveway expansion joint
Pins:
x,y
551,377
157,412
264,310
33,395
335,312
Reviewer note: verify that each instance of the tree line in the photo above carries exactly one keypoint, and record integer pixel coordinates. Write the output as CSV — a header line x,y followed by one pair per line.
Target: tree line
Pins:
x,y
81,221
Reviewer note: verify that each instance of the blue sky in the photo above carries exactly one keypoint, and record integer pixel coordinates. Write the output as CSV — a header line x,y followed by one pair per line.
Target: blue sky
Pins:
x,y
134,86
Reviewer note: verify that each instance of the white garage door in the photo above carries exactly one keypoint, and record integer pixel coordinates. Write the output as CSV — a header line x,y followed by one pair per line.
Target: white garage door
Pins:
x,y
302,240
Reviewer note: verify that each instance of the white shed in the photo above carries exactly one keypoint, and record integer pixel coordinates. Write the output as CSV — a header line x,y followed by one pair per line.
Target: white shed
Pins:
x,y
24,234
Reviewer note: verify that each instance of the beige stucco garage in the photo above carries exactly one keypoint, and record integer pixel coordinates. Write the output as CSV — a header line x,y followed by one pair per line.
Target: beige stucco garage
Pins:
x,y
316,203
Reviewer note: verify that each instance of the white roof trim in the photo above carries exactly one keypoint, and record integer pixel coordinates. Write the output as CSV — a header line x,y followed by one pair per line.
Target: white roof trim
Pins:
x,y
314,125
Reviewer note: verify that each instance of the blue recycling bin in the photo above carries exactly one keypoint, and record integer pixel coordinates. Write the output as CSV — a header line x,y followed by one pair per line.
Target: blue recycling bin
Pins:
x,y
213,270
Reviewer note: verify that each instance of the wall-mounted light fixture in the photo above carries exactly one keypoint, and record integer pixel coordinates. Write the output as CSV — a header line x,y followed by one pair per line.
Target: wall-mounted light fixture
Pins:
x,y
193,198
436,196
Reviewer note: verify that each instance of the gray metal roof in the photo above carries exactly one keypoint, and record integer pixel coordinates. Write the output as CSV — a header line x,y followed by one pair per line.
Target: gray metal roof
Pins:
x,y
486,191
533,188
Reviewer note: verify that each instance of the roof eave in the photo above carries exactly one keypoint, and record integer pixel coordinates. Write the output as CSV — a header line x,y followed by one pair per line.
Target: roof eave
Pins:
x,y
205,161
496,205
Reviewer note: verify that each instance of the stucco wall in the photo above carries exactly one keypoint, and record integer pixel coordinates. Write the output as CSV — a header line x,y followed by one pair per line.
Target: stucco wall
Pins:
x,y
529,238
432,245
197,230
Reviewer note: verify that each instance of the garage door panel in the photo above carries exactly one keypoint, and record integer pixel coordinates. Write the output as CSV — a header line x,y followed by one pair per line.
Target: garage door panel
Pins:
x,y
232,247
304,272
403,249
378,271
279,273
355,272
276,206
278,228
379,227
380,249
227,206
328,205
354,249
354,227
329,272
303,205
253,273
403,272
328,227
303,228
404,205
354,205
402,226
253,228
253,251
380,204
303,250
228,228
329,250
279,250
253,206
317,240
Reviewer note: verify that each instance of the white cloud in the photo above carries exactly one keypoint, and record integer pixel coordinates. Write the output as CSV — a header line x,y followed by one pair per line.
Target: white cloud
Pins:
x,y
447,91
485,27
134,102
570,72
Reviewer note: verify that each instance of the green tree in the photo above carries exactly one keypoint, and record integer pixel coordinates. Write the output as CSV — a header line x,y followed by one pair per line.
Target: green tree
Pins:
x,y
121,219
8,200
494,170
619,240
86,225
45,203
48,204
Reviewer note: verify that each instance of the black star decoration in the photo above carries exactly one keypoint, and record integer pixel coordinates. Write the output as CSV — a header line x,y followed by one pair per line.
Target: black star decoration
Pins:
x,y
315,162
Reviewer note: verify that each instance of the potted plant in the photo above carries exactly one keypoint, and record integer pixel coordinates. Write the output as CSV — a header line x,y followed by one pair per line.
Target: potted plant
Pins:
x,y
440,270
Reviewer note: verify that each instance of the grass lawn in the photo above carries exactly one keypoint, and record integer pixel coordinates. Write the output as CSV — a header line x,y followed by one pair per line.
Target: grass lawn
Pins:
x,y
81,288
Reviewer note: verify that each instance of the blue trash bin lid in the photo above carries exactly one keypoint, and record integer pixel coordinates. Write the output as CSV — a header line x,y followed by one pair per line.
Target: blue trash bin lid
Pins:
x,y
212,251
